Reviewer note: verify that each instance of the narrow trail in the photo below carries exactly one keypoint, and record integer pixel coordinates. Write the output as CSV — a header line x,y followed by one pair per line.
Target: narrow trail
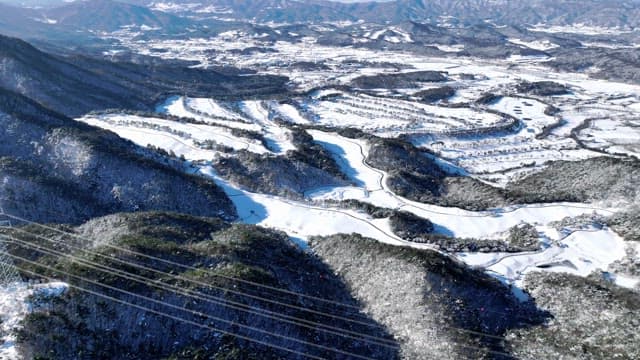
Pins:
x,y
235,193
511,266
405,203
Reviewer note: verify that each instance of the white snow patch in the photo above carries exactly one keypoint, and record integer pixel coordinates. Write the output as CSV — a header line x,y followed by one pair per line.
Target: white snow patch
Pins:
x,y
580,253
541,45
625,281
580,28
13,308
448,48
277,136
297,218
289,113
184,139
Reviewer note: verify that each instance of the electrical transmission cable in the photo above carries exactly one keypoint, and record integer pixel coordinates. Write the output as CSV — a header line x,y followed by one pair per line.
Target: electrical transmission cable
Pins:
x,y
211,299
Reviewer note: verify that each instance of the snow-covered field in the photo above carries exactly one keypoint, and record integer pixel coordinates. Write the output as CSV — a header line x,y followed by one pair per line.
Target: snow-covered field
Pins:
x,y
580,253
182,138
494,159
496,142
613,136
277,136
390,117
541,45
583,29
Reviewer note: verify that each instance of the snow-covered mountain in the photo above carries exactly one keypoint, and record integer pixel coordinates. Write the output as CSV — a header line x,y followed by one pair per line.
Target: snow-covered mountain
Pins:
x,y
278,179
57,170
108,15
517,12
611,13
92,84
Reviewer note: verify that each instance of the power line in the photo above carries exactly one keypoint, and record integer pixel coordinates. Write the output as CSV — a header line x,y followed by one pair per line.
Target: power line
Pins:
x,y
8,273
212,299
194,312
176,318
203,314
188,267
289,292
77,236
477,333
226,289
237,292
453,328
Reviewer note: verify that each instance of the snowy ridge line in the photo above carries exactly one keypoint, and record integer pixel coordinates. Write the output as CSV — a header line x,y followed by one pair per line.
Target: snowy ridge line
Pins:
x,y
193,268
12,239
149,310
208,298
193,312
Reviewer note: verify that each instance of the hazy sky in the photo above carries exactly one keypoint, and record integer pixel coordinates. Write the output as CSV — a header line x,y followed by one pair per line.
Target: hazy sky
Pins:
x,y
352,1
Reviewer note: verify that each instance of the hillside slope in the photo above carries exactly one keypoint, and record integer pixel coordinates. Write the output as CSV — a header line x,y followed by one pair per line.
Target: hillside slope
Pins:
x,y
593,319
76,85
517,12
435,306
217,260
55,169
107,15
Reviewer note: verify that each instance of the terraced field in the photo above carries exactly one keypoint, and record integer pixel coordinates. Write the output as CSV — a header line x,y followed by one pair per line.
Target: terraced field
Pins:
x,y
496,129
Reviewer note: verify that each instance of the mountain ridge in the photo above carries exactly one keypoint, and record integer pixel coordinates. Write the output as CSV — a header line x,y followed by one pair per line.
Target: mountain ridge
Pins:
x,y
591,12
75,85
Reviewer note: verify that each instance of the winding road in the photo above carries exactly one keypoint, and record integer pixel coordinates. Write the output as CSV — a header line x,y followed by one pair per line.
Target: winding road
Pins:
x,y
302,220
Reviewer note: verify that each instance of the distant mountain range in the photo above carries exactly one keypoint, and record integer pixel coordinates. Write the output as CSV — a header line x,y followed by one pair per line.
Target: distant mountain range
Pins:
x,y
609,13
110,15
107,15
93,15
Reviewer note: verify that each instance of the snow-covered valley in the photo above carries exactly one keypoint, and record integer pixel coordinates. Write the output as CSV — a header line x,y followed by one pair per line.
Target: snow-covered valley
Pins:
x,y
324,180
470,139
